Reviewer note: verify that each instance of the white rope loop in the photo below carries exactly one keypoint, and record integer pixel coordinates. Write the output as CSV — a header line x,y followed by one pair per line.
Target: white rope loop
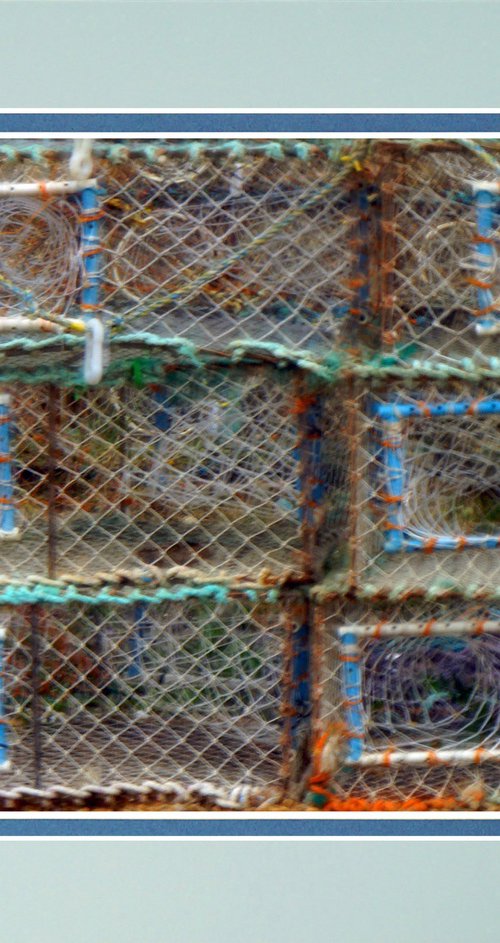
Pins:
x,y
80,163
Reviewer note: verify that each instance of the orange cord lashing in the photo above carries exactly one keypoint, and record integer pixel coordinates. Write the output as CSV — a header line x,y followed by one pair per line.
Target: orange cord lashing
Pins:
x,y
425,408
91,217
386,760
473,406
358,282
490,309
486,240
477,283
44,193
361,804
391,498
377,632
337,728
302,403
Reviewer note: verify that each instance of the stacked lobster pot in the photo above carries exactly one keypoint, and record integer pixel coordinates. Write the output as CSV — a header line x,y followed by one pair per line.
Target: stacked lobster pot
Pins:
x,y
407,706
249,494
169,460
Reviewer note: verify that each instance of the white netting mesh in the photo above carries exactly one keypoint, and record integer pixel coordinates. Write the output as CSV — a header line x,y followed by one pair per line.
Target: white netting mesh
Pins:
x,y
191,691
216,249
39,254
233,472
429,223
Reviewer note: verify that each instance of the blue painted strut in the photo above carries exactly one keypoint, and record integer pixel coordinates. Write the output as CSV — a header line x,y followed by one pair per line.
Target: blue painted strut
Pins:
x,y
89,300
485,257
7,514
393,463
392,412
91,250
311,486
351,684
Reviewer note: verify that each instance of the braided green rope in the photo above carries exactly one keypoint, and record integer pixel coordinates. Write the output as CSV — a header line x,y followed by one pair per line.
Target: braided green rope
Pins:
x,y
155,150
148,364
66,594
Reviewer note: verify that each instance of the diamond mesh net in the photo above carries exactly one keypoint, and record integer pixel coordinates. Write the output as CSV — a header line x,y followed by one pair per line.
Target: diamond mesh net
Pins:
x,y
193,690
218,250
429,232
233,473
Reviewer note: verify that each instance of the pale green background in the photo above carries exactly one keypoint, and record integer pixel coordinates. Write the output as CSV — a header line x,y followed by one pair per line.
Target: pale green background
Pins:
x,y
420,53
249,892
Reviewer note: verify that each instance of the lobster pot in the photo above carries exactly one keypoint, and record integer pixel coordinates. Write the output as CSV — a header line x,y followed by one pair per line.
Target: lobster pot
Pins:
x,y
408,701
98,694
430,265
426,509
217,248
229,470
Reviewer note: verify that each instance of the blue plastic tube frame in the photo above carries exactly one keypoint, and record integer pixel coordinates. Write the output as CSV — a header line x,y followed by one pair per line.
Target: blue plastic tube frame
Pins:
x,y
90,242
91,213
397,538
7,512
352,694
485,204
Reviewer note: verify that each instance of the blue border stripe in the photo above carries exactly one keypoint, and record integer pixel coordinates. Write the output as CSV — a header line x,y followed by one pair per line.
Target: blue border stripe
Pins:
x,y
260,826
215,123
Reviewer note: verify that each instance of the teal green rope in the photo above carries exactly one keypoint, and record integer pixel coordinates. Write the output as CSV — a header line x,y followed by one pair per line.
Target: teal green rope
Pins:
x,y
22,595
147,366
68,594
154,150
